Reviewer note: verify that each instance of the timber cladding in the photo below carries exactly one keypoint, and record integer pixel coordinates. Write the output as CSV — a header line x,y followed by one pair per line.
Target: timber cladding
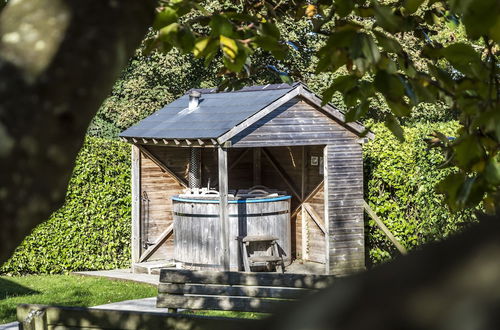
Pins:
x,y
294,123
157,189
344,208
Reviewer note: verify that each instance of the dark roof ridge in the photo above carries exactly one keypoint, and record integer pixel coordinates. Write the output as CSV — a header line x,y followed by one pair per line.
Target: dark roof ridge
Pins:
x,y
247,88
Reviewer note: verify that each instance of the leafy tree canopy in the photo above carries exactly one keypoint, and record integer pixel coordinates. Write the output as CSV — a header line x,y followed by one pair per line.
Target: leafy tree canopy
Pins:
x,y
363,40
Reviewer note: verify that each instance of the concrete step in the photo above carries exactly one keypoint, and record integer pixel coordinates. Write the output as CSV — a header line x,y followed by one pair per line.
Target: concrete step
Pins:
x,y
152,267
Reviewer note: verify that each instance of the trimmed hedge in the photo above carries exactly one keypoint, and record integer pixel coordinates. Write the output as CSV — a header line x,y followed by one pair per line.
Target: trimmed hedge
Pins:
x,y
92,229
400,187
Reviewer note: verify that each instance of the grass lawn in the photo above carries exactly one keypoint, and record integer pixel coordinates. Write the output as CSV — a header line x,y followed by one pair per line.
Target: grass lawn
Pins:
x,y
68,290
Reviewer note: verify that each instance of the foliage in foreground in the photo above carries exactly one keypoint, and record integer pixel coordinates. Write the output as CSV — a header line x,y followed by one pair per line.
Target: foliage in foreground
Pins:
x,y
65,290
401,180
363,41
92,229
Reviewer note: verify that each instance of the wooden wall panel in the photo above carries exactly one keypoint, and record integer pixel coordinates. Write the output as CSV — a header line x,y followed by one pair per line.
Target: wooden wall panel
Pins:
x,y
157,189
316,240
344,198
295,123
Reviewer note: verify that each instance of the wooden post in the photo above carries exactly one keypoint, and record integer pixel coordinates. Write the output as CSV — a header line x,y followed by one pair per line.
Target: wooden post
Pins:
x,y
303,226
257,166
326,190
223,208
136,204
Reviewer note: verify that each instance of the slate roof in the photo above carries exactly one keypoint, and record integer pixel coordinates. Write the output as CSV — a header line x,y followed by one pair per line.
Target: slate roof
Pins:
x,y
217,113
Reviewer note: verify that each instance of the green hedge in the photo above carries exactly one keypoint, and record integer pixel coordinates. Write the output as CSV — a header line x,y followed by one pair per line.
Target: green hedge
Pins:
x,y
92,230
400,180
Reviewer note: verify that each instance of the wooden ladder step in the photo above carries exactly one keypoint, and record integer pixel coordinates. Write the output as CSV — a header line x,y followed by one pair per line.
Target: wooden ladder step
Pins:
x,y
264,259
259,238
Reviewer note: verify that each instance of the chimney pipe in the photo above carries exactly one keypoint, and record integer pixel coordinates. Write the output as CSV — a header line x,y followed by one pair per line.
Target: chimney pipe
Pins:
x,y
194,100
194,171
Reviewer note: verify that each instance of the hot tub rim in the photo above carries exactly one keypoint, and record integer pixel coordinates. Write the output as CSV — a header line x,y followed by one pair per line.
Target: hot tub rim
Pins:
x,y
235,201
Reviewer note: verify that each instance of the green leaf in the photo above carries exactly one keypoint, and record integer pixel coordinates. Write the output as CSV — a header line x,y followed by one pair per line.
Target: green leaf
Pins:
x,y
369,48
270,29
205,46
399,108
344,7
411,6
340,84
393,125
480,17
221,26
165,17
229,47
389,85
468,151
492,172
387,19
357,112
388,44
465,59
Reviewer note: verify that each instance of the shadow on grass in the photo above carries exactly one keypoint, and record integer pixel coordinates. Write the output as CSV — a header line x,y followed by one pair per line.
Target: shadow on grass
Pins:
x,y
9,289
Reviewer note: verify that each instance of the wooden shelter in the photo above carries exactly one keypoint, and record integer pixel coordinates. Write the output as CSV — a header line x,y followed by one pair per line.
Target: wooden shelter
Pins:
x,y
279,136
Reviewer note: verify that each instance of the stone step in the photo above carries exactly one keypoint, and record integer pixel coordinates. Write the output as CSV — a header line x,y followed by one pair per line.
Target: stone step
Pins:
x,y
152,267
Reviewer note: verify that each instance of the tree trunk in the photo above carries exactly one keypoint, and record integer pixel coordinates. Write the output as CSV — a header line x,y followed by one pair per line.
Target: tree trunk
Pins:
x,y
58,62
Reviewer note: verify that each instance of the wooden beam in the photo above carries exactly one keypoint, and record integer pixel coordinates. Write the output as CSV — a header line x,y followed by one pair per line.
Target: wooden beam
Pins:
x,y
384,229
136,204
305,281
165,141
314,216
257,166
305,237
326,209
223,207
238,159
200,142
95,318
164,167
157,243
281,173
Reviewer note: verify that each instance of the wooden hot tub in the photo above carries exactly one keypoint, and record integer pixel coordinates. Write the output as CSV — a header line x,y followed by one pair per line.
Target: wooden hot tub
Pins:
x,y
197,226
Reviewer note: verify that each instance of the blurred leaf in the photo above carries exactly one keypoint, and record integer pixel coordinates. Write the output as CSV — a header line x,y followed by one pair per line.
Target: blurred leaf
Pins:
x,y
465,59
411,6
221,26
389,85
229,47
388,44
340,84
387,20
480,17
165,17
357,112
270,29
344,7
492,171
369,48
394,126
